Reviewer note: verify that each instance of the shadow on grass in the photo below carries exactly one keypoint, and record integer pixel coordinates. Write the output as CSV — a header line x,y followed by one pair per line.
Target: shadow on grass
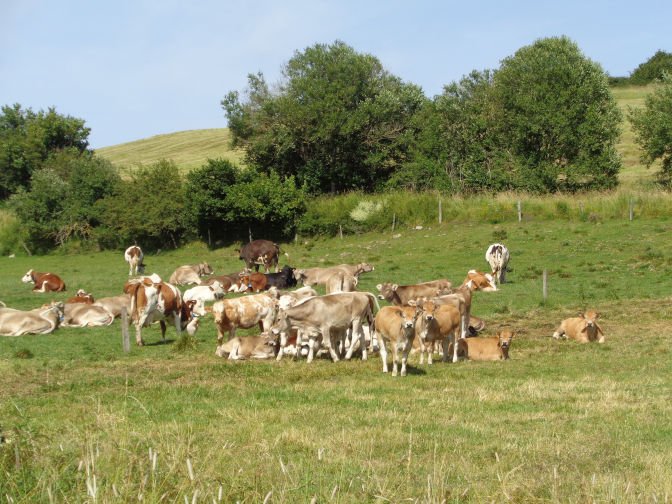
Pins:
x,y
160,342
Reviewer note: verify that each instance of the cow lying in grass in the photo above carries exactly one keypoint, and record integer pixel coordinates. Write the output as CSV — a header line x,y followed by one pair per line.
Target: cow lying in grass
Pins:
x,y
583,328
486,349
248,347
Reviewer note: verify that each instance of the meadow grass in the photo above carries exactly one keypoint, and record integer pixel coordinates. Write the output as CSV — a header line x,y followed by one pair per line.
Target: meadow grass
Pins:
x,y
188,149
559,422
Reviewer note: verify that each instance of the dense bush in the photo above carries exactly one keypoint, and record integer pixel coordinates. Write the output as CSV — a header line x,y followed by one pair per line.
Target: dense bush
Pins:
x,y
652,69
227,203
653,128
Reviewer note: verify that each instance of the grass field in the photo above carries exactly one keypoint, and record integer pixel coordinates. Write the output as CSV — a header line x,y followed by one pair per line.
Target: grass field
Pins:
x,y
559,422
188,149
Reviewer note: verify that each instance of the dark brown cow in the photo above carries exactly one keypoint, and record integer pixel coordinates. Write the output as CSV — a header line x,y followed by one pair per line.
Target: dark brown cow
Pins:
x,y
44,282
260,253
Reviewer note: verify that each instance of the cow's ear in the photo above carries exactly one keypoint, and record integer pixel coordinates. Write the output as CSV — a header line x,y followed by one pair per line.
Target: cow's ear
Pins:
x,y
582,315
413,302
395,287
379,287
597,315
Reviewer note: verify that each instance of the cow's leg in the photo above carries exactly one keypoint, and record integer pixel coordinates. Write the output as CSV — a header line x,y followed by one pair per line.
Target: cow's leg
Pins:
x,y
311,347
456,343
177,319
281,346
357,334
234,355
138,334
395,355
559,334
383,353
326,339
404,359
445,343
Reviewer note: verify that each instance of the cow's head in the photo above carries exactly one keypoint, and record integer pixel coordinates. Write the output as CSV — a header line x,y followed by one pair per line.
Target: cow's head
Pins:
x,y
504,341
590,318
205,269
28,277
300,275
387,291
477,280
407,328
363,268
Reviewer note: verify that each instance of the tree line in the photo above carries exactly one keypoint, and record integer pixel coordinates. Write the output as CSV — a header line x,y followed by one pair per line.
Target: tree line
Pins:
x,y
338,121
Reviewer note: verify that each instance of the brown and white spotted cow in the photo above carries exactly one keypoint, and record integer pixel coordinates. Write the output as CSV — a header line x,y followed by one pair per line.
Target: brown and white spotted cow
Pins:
x,y
245,312
44,282
134,257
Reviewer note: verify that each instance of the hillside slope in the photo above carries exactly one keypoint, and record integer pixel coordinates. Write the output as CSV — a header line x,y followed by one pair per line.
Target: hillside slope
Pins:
x,y
188,149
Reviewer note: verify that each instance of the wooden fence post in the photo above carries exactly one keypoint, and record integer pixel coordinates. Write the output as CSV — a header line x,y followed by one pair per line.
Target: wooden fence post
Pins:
x,y
440,211
125,340
249,231
340,231
394,221
520,212
632,210
544,287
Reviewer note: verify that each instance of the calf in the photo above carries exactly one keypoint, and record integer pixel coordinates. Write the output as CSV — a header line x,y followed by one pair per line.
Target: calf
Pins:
x,y
190,274
228,282
486,349
437,324
134,257
43,320
245,312
400,295
249,347
583,328
44,282
396,325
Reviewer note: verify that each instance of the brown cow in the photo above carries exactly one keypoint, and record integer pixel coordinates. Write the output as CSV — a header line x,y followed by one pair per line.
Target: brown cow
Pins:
x,y
486,349
400,295
260,252
252,282
248,347
583,328
44,282
341,282
396,325
437,324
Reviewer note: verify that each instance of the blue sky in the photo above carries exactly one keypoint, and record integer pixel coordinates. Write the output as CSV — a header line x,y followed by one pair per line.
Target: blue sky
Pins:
x,y
134,69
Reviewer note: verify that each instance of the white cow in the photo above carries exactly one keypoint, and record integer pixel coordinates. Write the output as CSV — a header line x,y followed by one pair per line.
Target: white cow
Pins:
x,y
497,256
205,293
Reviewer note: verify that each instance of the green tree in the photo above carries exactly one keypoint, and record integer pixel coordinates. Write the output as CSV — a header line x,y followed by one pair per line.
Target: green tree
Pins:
x,y
28,139
226,202
653,127
62,202
338,121
652,69
149,209
559,116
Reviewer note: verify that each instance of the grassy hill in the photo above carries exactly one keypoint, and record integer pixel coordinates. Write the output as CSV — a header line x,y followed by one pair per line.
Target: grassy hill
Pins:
x,y
190,149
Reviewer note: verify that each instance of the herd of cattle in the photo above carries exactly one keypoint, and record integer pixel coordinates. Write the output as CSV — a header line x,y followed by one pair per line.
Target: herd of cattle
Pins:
x,y
430,316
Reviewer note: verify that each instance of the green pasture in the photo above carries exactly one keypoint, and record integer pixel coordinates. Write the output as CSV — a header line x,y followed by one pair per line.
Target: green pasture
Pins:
x,y
188,149
560,422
